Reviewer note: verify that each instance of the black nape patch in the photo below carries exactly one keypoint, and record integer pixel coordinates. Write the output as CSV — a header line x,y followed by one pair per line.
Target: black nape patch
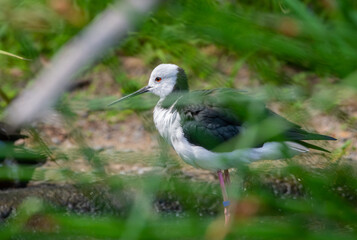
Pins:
x,y
181,81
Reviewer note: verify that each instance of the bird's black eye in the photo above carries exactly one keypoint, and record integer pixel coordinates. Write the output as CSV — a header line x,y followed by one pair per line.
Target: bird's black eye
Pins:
x,y
158,79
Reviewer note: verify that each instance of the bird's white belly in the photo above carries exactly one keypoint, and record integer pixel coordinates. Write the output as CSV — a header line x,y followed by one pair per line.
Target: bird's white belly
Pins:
x,y
168,124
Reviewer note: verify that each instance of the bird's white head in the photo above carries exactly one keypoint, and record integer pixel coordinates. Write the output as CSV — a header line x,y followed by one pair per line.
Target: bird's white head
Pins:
x,y
164,79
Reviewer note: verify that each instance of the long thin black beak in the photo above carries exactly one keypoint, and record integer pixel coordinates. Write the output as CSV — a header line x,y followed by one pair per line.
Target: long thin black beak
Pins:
x,y
140,91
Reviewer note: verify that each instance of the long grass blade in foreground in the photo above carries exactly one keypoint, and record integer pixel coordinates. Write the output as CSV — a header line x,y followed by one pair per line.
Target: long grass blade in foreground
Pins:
x,y
13,55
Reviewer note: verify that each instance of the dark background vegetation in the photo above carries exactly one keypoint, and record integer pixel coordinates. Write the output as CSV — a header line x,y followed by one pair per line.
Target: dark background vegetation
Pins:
x,y
109,176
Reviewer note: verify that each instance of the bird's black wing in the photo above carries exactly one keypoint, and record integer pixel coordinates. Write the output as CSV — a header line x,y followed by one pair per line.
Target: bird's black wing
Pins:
x,y
212,118
209,126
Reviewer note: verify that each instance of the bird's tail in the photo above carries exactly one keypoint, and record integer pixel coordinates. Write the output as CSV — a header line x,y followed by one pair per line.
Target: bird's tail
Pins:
x,y
315,136
312,146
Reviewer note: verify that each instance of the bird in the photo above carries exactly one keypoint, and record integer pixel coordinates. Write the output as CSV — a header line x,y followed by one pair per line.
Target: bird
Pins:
x,y
218,129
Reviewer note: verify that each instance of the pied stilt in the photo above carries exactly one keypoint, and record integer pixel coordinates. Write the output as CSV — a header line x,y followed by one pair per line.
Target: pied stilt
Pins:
x,y
218,129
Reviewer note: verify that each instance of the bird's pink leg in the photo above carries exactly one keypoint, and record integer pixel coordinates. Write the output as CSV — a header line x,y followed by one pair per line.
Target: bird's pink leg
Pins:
x,y
227,178
226,202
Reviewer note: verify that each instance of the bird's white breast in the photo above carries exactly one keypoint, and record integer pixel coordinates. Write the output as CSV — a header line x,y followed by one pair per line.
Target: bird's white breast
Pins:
x,y
167,122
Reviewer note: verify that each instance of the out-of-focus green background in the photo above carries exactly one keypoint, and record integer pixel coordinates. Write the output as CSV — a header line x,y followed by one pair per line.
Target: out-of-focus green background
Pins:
x,y
114,178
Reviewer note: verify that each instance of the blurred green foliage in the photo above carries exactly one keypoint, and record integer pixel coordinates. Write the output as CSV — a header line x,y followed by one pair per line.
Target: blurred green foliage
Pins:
x,y
286,44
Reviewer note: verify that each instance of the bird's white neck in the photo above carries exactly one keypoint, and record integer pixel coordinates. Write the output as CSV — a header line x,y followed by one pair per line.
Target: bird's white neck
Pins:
x,y
165,119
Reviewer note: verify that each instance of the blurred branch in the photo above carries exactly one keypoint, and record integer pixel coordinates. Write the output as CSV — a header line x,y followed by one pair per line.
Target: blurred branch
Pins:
x,y
105,32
